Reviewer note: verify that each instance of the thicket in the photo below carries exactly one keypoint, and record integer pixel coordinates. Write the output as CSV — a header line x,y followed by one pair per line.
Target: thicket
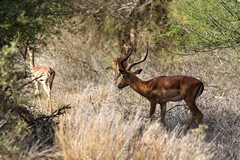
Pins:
x,y
205,25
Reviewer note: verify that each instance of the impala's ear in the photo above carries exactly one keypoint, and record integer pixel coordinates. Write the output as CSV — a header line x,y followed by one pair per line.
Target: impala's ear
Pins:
x,y
138,71
123,72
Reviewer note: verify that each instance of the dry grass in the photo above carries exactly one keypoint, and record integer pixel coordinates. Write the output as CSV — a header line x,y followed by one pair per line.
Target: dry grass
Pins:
x,y
107,136
100,131
105,123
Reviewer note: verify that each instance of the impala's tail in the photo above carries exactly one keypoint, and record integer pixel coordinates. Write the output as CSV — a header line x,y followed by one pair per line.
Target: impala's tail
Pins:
x,y
200,90
52,76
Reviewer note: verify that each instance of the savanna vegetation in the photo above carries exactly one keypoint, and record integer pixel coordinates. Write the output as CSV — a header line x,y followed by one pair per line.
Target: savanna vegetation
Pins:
x,y
91,118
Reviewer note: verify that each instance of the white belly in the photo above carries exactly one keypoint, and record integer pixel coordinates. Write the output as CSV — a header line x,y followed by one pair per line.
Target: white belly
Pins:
x,y
169,95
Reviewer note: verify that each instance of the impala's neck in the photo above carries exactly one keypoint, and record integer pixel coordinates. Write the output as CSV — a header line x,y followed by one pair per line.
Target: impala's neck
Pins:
x,y
31,57
139,86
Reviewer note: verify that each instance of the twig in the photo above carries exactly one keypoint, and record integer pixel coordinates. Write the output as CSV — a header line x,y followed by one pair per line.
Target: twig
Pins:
x,y
60,111
175,107
25,84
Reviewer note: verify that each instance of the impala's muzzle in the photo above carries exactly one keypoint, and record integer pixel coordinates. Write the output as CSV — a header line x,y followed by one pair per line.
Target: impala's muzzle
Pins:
x,y
119,85
122,84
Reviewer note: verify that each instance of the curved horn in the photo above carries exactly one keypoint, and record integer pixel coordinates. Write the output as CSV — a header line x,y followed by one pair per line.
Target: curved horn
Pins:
x,y
129,68
124,59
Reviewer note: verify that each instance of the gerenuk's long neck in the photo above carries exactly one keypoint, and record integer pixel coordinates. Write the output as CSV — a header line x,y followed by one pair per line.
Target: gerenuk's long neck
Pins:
x,y
31,57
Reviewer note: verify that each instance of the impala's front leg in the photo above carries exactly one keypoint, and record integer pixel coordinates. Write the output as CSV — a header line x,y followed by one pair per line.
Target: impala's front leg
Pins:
x,y
37,93
163,113
153,107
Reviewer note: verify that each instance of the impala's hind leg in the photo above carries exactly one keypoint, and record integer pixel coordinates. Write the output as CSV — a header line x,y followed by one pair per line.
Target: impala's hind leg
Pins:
x,y
47,88
196,113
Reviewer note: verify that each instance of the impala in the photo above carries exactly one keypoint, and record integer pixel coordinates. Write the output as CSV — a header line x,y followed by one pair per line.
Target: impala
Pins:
x,y
161,89
116,62
43,75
